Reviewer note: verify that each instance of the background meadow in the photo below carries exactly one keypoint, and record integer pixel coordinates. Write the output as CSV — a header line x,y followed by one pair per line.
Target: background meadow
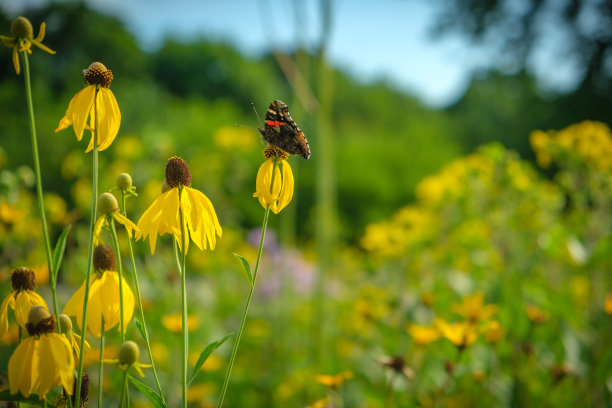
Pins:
x,y
405,213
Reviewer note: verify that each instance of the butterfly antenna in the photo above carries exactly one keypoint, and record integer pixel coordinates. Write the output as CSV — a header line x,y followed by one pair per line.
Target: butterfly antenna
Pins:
x,y
248,127
256,114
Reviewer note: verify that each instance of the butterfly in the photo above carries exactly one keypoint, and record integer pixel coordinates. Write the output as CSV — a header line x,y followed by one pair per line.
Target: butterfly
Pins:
x,y
281,131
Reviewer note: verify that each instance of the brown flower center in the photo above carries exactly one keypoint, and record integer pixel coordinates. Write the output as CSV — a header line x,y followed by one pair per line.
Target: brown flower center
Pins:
x,y
177,172
97,74
23,279
273,151
104,258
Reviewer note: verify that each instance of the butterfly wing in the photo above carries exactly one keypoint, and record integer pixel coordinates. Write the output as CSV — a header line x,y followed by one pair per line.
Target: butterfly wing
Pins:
x,y
281,131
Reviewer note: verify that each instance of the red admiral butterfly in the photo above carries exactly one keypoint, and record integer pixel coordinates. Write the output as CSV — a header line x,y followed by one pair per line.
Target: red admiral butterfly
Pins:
x,y
281,131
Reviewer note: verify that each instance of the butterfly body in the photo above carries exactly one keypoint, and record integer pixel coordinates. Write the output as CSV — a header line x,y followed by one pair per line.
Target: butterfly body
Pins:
x,y
281,131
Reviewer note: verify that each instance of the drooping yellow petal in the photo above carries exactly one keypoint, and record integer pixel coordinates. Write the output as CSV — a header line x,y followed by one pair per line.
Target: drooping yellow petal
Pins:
x,y
149,222
98,229
74,306
8,300
286,193
56,364
78,111
129,225
23,368
24,300
204,230
16,60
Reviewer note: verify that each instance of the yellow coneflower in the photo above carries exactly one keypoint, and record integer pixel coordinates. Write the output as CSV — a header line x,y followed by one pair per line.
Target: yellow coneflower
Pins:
x,y
22,39
42,360
103,295
81,108
108,207
127,357
162,216
20,299
73,338
274,183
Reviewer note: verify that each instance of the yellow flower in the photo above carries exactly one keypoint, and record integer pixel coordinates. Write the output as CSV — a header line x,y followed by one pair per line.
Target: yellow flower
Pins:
x,y
608,303
82,107
493,331
109,210
460,334
21,299
162,216
174,322
473,309
73,338
536,315
274,192
23,38
103,295
42,360
424,334
128,356
334,381
322,403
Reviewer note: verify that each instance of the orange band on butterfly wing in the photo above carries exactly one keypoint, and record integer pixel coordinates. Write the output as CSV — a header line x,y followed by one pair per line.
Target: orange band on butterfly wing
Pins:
x,y
274,123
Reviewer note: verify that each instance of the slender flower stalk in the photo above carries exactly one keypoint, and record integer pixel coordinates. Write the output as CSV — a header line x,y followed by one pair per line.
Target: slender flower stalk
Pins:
x,y
39,191
124,182
184,305
90,251
269,197
101,369
120,272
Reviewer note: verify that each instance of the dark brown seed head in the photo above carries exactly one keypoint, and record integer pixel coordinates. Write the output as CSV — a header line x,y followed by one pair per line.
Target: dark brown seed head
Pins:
x,y
273,151
97,74
23,279
40,321
84,390
177,172
104,258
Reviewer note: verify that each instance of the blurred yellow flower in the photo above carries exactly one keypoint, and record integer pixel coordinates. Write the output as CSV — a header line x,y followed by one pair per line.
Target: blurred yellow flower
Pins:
x,y
234,138
82,108
608,303
20,299
322,403
276,192
334,381
493,331
22,39
10,214
461,334
423,334
162,216
174,322
103,296
198,392
536,315
473,309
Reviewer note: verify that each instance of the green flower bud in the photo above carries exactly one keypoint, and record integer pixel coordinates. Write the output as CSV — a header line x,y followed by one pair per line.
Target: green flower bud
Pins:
x,y
107,203
129,353
124,181
22,28
65,323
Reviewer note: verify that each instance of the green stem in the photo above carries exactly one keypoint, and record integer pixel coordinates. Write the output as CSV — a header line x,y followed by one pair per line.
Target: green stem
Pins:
x,y
142,316
183,303
250,296
101,370
39,191
246,309
90,251
123,395
120,272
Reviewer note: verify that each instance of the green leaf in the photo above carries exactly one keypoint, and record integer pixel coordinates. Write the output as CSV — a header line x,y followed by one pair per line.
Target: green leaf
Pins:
x,y
58,253
148,392
247,268
205,354
32,399
141,328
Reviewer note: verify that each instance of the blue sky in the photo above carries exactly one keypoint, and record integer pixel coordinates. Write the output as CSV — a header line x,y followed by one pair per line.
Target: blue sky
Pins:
x,y
369,39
